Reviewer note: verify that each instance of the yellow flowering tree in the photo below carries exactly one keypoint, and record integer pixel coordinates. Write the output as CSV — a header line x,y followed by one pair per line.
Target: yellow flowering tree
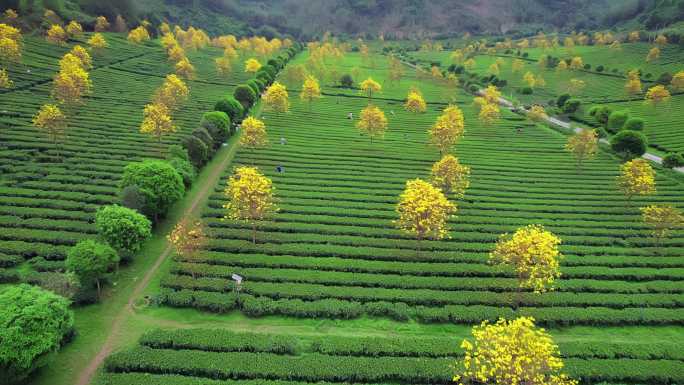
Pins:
x,y
253,133
250,197
138,35
537,113
172,93
517,65
575,86
72,82
533,253
492,94
636,178
97,43
423,211
51,120
252,65
661,40
530,79
678,81
372,122
576,63
451,176
369,86
223,66
415,102
188,237
101,24
469,64
435,72
276,98
657,95
489,113
634,36
493,69
157,122
5,81
583,145
511,353
10,45
185,69
311,90
10,16
662,219
74,29
448,129
653,54
83,55
56,35
562,66
633,85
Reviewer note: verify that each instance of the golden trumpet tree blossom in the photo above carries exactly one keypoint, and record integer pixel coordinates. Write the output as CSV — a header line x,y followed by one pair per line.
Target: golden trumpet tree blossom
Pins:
x,y
583,145
537,113
83,55
253,133
657,95
56,35
448,129
489,113
678,81
451,176
636,178
415,102
311,90
662,219
172,93
185,69
634,36
250,197
492,94
72,82
101,24
511,352
517,65
369,86
575,86
653,54
276,98
188,237
252,65
5,81
576,63
633,85
51,120
533,253
424,211
157,121
372,122
138,35
660,40
562,66
223,66
74,29
97,42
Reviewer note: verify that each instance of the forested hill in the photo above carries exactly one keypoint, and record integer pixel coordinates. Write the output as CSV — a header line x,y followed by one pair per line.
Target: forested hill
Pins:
x,y
369,18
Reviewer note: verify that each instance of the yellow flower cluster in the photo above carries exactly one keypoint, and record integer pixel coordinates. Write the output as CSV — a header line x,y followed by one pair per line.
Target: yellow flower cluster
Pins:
x,y
662,219
250,195
424,210
583,145
252,65
187,238
101,24
415,102
369,86
533,253
576,63
653,54
513,353
537,113
310,90
636,178
74,29
451,176
97,42
633,85
185,69
72,82
678,81
657,95
172,93
276,98
253,133
372,122
448,129
138,35
157,120
51,119
56,35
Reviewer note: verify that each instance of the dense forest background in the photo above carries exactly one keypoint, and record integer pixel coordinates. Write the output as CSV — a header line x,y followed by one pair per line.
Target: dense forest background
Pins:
x,y
392,18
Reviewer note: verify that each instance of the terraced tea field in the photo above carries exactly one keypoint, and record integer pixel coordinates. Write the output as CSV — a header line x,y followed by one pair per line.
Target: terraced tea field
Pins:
x,y
47,206
332,252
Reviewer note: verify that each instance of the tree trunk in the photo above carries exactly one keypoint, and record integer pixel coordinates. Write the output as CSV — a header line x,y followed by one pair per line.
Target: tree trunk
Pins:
x,y
254,233
97,282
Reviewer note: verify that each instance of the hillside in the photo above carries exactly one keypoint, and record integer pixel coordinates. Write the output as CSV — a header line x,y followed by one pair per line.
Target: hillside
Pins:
x,y
306,19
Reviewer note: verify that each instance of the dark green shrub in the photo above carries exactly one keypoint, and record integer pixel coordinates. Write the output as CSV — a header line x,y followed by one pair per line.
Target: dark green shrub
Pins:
x,y
616,120
560,102
254,86
587,66
124,229
346,81
673,160
634,124
91,261
629,144
245,95
571,106
158,183
602,133
197,151
526,91
232,108
203,135
599,68
664,79
217,123
177,151
185,169
601,114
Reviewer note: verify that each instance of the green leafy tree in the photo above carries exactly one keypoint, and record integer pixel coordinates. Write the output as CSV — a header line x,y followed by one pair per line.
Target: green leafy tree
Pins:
x,y
158,182
91,261
124,229
33,323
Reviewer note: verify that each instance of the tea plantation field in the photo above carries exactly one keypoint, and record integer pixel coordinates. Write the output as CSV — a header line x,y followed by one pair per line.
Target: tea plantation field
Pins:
x,y
46,206
332,253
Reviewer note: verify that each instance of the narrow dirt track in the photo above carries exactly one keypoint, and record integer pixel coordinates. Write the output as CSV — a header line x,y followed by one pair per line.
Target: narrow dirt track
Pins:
x,y
87,374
